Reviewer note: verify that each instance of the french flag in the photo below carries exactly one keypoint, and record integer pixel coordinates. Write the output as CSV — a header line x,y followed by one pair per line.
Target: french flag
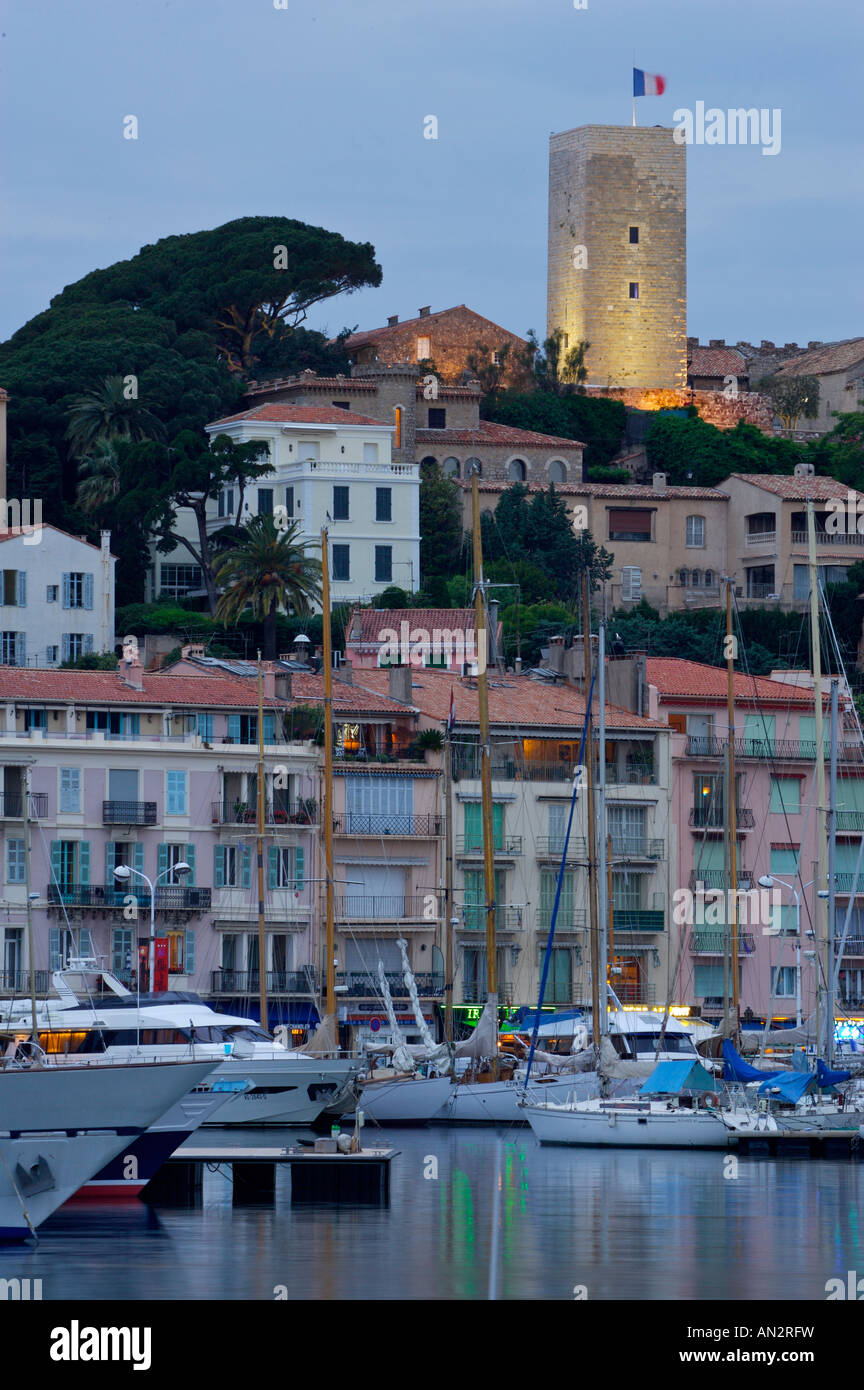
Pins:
x,y
647,84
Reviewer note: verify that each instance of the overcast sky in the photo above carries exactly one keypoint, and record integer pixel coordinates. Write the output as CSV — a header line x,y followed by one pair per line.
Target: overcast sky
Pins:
x,y
316,112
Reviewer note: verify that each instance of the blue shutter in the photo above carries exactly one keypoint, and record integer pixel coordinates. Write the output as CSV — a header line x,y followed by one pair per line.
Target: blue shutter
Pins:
x,y
245,866
272,866
22,589
56,861
133,721
190,860
88,591
269,728
88,644
189,953
85,943
299,869
65,647
110,880
84,861
67,591
55,959
234,727
161,859
20,649
218,866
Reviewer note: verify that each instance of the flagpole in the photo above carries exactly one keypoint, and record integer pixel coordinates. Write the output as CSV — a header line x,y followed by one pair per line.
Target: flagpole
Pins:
x,y
634,110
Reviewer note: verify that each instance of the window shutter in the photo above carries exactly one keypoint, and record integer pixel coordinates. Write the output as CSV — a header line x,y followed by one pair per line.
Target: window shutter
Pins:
x,y
22,589
84,861
65,647
67,591
56,861
234,727
631,583
498,824
138,858
88,591
190,860
245,866
88,642
299,869
110,880
20,649
55,950
189,952
269,728
85,943
272,866
473,825
218,866
161,859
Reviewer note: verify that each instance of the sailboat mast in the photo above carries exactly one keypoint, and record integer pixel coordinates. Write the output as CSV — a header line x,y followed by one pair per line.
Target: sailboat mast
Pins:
x,y
604,902
598,987
485,747
259,826
832,859
31,956
732,808
448,893
816,653
327,799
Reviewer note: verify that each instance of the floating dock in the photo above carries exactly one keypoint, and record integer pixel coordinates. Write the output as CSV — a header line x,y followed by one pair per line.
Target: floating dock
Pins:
x,y
317,1174
825,1143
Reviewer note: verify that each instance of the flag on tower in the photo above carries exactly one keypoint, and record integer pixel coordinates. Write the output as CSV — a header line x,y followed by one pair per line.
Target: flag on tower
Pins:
x,y
647,84
451,716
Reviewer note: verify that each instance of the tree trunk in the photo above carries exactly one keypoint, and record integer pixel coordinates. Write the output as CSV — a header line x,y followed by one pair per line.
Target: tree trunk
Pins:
x,y
270,634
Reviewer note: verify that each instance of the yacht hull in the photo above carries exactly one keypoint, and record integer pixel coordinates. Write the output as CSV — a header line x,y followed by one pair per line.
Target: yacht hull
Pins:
x,y
497,1102
622,1130
286,1091
405,1100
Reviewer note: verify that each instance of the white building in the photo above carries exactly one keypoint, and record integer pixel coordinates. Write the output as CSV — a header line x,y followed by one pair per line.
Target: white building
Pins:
x,y
57,596
330,467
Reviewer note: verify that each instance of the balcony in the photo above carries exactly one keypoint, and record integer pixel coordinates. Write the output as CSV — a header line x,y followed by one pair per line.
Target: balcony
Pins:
x,y
475,993
17,982
633,847
639,920
390,908
766,749
129,812
713,879
506,919
302,982
713,818
471,846
631,774
717,943
169,897
12,805
761,538
574,920
552,847
513,770
245,813
629,992
849,821
831,538
353,824
760,591
843,883
366,986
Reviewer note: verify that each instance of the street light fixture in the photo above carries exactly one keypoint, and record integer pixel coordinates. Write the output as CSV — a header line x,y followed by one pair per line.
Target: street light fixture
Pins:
x,y
768,881
123,873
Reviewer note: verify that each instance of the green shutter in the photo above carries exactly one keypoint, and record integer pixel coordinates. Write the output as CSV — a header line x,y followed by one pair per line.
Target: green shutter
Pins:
x,y
245,866
110,880
498,824
84,861
189,952
299,869
138,857
57,861
473,825
218,866
161,859
55,959
785,795
190,860
269,728
272,866
234,727
759,734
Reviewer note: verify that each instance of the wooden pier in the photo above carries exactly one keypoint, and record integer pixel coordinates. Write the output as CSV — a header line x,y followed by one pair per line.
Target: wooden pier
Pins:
x,y
318,1174
826,1143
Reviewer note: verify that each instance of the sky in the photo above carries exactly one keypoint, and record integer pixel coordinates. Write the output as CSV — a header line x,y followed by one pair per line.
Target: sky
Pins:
x,y
317,112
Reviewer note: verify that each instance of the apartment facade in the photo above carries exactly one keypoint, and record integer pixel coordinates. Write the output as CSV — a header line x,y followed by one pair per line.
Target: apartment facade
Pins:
x,y
57,596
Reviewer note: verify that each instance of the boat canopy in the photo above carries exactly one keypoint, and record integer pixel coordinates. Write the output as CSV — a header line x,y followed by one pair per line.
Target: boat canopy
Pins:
x,y
736,1069
827,1078
790,1086
557,1025
670,1078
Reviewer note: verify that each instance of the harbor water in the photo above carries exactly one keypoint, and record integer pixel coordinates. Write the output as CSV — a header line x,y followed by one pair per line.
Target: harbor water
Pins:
x,y
474,1214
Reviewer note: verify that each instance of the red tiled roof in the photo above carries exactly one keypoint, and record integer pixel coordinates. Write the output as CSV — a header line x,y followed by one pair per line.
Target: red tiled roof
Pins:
x,y
357,697
708,361
677,678
373,335
496,436
301,415
634,492
513,701
819,489
374,620
833,357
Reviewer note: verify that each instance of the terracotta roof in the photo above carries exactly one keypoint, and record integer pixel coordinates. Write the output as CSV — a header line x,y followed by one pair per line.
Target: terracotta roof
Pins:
x,y
835,357
514,701
624,492
708,361
374,620
300,415
373,335
819,489
676,678
496,436
349,697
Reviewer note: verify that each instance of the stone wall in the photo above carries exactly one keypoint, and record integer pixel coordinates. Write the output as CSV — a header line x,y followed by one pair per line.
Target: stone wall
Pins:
x,y
712,406
453,336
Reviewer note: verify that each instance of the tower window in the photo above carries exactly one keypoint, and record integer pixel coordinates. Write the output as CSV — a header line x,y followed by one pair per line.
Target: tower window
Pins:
x,y
634,289
634,236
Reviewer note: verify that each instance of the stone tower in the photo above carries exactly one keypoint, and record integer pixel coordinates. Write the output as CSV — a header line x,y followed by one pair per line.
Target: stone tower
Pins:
x,y
617,252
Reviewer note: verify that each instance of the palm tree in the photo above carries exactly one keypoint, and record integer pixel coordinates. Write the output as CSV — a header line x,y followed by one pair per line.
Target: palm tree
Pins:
x,y
267,570
107,413
98,476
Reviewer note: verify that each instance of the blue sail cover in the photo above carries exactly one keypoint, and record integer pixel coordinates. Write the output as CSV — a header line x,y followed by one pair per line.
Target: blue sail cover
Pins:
x,y
736,1069
670,1078
791,1086
826,1078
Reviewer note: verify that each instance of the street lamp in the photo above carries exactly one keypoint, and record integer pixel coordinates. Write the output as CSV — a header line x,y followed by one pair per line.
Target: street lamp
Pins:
x,y
768,881
123,874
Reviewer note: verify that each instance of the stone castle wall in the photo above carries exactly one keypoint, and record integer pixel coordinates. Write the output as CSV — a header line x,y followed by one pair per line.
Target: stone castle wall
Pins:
x,y
712,406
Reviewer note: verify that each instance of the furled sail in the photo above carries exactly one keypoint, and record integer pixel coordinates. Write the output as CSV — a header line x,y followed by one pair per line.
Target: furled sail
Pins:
x,y
437,1053
483,1042
401,1057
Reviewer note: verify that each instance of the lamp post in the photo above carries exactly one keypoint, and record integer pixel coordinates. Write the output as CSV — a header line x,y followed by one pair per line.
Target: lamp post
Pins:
x,y
768,881
123,874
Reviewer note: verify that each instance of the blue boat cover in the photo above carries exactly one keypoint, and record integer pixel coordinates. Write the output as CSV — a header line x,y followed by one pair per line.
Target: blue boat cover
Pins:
x,y
827,1078
670,1078
789,1087
736,1069
525,1020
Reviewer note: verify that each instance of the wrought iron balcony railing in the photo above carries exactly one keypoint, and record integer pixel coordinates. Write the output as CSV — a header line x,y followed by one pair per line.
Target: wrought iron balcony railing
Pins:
x,y
574,919
637,847
365,986
473,845
717,943
714,818
506,918
129,812
849,820
712,879
766,749
249,982
639,920
15,982
275,813
353,824
169,897
475,993
395,907
12,805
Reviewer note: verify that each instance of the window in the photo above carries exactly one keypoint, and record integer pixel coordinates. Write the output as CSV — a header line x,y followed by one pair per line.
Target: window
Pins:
x,y
627,892
631,584
516,470
423,351
128,853
13,941
475,897
175,793
232,866
122,960
340,562
70,863
286,867
34,719
783,981
77,590
784,861
437,418
340,503
14,589
309,451
70,790
557,471
181,952
15,867
370,453
178,580
341,405
474,825
709,579
634,289
265,501
225,502
629,524
379,805
204,727
627,829
383,504
785,795
760,581
695,532
634,236
383,564
559,985
397,421
450,468
167,855
113,723
243,728
566,919
75,644
696,578
52,593
289,501
13,649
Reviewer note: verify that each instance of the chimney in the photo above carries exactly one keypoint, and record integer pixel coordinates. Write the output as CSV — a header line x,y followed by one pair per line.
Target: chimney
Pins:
x,y
492,634
716,342
658,483
130,669
192,649
355,627
399,684
393,320
346,671
282,682
424,312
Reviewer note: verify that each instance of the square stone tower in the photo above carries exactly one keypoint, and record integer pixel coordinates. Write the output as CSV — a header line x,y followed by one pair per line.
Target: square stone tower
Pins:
x,y
617,252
